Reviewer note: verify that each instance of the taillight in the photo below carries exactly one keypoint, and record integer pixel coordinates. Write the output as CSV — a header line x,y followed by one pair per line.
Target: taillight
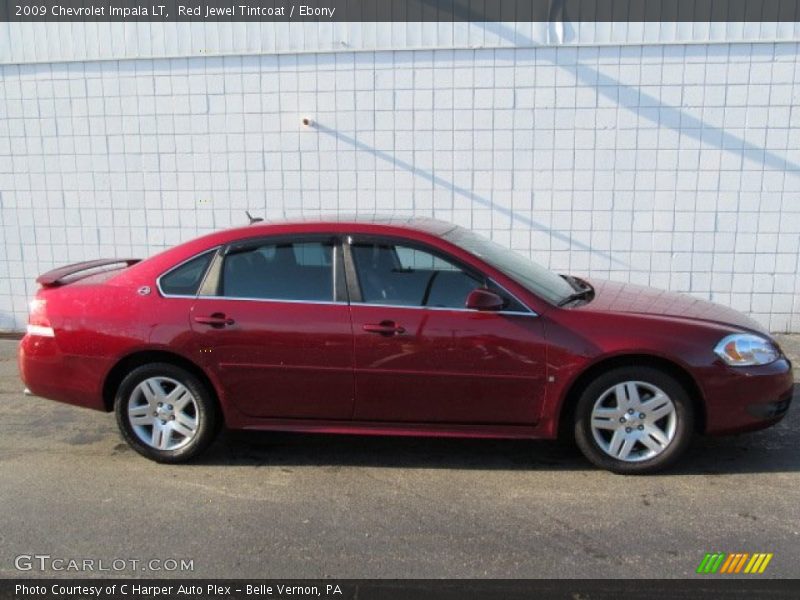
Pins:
x,y
38,323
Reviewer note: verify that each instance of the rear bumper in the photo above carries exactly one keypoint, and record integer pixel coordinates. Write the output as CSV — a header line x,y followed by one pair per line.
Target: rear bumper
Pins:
x,y
746,399
48,372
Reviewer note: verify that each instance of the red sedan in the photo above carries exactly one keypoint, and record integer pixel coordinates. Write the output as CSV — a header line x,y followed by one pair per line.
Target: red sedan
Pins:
x,y
389,327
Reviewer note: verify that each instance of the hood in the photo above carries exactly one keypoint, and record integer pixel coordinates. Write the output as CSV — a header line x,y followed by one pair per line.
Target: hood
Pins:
x,y
616,297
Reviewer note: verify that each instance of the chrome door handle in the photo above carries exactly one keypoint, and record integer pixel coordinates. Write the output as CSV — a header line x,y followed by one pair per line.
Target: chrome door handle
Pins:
x,y
215,320
386,328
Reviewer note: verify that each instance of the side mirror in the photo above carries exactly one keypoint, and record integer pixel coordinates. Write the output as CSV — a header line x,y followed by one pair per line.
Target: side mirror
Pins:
x,y
483,299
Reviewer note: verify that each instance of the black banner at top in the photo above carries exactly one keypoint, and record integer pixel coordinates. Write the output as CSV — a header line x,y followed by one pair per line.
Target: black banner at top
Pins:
x,y
401,10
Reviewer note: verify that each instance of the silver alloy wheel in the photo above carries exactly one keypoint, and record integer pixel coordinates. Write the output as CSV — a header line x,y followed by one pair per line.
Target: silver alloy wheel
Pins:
x,y
634,421
163,413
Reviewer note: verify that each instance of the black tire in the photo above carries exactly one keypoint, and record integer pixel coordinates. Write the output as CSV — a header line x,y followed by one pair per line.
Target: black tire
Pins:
x,y
204,409
683,429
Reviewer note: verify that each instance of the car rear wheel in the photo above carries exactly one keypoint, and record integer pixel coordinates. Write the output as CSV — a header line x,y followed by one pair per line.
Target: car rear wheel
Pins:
x,y
634,420
165,413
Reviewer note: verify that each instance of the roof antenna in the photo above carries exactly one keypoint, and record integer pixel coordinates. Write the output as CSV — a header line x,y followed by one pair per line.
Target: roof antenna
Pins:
x,y
252,218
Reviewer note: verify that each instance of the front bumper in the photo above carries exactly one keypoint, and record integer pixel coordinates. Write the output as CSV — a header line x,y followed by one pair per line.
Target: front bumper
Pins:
x,y
747,398
772,410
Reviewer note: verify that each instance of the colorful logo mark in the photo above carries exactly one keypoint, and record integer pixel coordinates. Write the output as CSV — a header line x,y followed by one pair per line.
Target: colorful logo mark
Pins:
x,y
738,562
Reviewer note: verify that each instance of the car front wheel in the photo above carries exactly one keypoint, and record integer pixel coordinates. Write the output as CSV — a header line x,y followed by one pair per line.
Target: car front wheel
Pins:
x,y
165,413
634,420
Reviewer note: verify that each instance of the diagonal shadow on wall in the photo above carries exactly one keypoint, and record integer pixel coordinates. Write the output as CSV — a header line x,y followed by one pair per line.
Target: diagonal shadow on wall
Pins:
x,y
687,125
633,99
460,191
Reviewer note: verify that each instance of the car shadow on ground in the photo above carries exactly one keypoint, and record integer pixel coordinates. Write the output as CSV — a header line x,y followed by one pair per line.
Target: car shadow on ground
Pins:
x,y
319,450
767,451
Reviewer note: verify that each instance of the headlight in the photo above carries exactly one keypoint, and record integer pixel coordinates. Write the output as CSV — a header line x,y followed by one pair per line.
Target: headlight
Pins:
x,y
745,350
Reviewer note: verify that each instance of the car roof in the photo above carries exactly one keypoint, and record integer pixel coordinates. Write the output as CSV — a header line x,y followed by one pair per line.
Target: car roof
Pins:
x,y
359,224
342,222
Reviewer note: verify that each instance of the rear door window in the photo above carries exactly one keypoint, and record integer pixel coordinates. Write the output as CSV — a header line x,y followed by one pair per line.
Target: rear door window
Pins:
x,y
298,271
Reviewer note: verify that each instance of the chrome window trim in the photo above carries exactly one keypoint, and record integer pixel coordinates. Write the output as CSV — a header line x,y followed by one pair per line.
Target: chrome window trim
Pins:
x,y
529,311
335,274
179,265
273,300
467,310
277,300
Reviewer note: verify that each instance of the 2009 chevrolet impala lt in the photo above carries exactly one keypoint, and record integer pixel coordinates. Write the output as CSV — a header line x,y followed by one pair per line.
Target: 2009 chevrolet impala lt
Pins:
x,y
393,327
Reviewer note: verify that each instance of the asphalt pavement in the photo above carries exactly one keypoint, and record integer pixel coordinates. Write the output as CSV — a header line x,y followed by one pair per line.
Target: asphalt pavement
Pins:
x,y
288,506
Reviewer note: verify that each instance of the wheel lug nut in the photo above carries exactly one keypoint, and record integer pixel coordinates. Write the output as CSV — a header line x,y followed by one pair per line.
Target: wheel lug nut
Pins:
x,y
163,422
642,415
169,406
641,427
630,411
160,404
627,430
622,419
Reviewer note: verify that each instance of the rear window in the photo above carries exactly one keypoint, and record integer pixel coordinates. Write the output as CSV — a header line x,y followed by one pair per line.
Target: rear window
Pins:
x,y
298,271
185,279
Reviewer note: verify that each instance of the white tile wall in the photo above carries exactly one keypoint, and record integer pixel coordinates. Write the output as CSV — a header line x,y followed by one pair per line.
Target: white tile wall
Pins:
x,y
674,166
28,42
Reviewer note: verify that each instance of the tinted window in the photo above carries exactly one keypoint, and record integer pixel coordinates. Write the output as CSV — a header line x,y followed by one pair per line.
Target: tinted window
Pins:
x,y
186,279
404,276
283,271
537,279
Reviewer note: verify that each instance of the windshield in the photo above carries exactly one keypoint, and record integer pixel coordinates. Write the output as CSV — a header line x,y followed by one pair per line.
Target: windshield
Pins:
x,y
536,278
